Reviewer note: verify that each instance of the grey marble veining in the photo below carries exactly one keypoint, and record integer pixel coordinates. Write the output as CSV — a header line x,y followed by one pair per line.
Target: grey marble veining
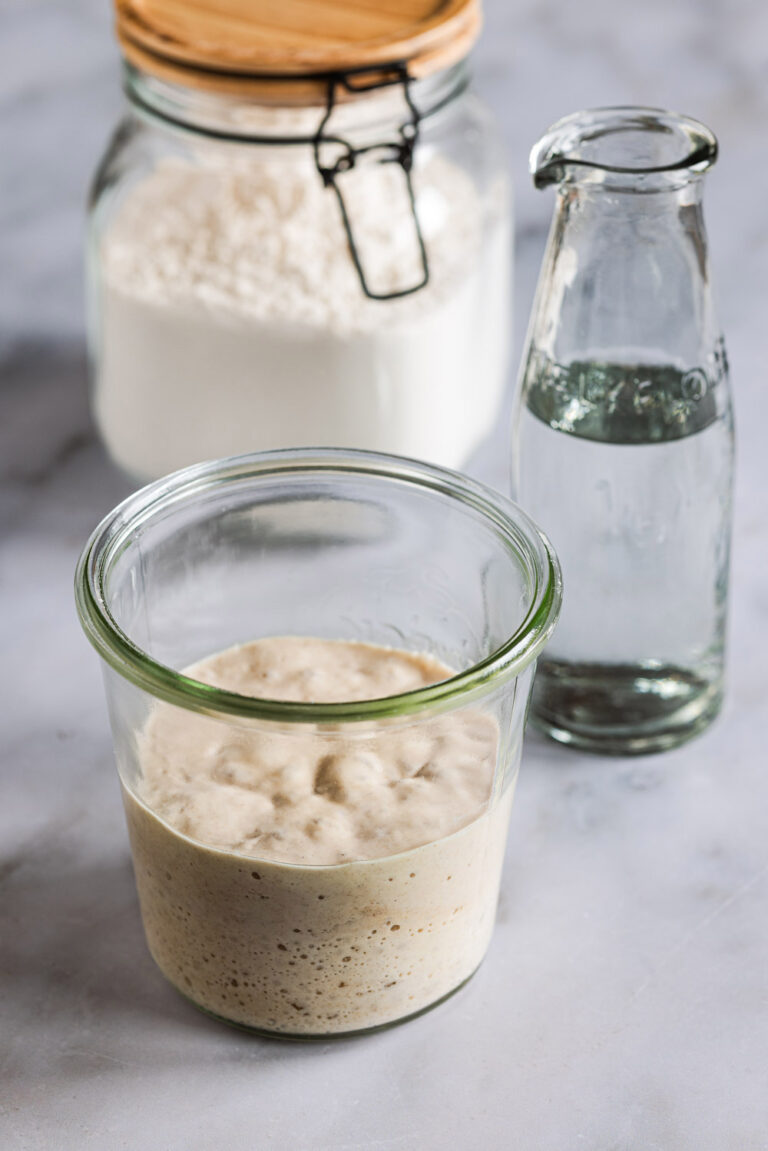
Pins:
x,y
624,1003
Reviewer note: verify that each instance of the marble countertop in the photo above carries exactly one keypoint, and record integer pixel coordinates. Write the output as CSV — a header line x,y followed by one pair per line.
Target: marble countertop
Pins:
x,y
624,1002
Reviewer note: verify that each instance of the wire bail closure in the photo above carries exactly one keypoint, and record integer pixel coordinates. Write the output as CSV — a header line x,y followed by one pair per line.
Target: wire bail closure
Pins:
x,y
393,152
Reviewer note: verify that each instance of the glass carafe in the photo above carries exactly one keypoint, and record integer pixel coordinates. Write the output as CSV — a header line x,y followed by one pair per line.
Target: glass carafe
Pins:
x,y
623,433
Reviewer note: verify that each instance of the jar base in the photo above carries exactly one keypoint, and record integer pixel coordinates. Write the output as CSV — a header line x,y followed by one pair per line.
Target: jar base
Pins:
x,y
324,1037
622,709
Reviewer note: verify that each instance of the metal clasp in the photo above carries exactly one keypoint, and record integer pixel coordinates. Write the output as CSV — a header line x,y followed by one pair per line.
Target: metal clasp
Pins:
x,y
393,152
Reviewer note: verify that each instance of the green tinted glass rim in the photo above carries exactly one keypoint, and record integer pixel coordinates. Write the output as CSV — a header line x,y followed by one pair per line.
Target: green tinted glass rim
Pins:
x,y
510,524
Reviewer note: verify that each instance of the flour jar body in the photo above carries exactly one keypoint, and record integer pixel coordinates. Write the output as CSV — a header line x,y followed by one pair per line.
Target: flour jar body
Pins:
x,y
264,275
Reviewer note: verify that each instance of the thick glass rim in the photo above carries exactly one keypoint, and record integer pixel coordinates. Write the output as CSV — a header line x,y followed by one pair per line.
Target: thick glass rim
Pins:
x,y
199,113
515,530
556,156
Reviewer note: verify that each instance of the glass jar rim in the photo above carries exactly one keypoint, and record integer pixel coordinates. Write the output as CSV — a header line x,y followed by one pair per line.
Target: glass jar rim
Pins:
x,y
511,525
209,114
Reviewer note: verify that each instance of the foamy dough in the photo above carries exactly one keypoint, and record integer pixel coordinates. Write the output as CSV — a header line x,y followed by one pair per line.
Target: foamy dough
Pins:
x,y
311,882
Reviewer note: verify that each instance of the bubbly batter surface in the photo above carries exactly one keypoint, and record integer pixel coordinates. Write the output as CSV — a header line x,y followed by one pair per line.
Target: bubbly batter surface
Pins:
x,y
309,796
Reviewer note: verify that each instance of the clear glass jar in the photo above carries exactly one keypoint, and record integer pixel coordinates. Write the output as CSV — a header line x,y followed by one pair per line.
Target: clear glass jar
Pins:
x,y
226,311
339,546
623,435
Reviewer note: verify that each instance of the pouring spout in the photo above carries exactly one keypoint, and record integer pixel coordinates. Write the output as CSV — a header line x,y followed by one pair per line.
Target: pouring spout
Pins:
x,y
625,148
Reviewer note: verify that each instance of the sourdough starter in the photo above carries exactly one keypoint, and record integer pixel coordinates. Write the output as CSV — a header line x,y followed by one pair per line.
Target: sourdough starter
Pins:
x,y
318,881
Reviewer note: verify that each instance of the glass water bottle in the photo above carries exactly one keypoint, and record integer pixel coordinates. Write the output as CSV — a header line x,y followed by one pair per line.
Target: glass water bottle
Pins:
x,y
623,433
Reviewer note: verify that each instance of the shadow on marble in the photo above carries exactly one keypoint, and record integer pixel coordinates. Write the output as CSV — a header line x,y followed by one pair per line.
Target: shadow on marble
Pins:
x,y
75,971
45,399
82,995
48,445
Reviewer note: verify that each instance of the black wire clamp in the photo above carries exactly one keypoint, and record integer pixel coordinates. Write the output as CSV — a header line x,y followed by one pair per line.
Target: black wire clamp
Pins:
x,y
398,151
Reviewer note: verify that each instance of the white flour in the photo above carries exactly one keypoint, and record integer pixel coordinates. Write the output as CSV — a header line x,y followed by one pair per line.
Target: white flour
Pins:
x,y
230,317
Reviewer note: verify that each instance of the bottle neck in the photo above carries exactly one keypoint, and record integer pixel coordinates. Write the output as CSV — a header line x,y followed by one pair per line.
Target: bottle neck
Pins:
x,y
629,200
630,226
626,276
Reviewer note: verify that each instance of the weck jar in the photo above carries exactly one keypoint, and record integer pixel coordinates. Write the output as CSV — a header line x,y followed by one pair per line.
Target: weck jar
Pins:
x,y
298,237
306,866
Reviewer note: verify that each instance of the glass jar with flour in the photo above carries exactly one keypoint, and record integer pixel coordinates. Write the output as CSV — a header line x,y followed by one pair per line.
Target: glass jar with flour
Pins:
x,y
299,236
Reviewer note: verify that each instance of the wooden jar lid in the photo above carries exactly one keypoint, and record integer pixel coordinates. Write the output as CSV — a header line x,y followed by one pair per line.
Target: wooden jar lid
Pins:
x,y
281,49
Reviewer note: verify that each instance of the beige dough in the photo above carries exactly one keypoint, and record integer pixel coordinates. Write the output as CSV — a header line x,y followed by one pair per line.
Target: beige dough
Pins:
x,y
317,880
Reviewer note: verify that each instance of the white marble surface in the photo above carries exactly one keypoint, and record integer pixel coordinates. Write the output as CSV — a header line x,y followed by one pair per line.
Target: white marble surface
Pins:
x,y
624,1004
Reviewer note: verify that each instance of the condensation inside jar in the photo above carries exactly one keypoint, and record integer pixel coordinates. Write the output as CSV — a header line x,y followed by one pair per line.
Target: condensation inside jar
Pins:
x,y
230,315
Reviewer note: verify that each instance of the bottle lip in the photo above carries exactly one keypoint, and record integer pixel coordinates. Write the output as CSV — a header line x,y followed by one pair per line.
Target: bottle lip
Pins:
x,y
634,148
172,494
